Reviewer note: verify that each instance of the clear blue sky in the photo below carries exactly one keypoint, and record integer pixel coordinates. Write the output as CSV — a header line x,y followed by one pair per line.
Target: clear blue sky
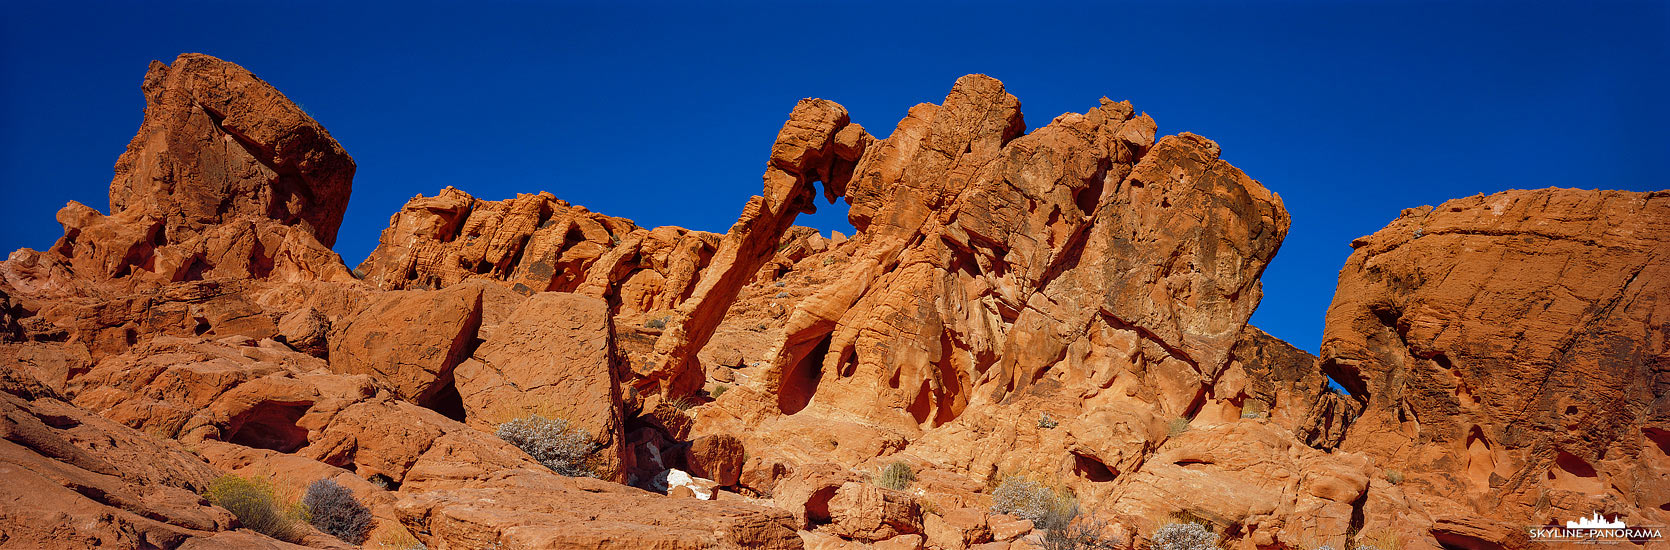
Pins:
x,y
664,113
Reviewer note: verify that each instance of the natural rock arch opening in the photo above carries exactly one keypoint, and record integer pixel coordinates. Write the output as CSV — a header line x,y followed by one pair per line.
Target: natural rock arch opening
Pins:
x,y
1091,469
800,382
271,425
827,217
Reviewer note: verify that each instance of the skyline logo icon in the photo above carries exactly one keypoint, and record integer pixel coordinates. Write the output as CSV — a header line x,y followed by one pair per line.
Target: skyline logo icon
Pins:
x,y
1596,522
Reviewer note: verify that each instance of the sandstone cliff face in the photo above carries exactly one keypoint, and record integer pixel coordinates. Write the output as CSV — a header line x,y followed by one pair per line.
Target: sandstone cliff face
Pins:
x,y
1066,304
1510,350
537,243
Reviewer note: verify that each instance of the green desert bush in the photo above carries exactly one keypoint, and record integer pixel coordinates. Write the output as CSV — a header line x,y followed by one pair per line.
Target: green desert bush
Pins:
x,y
1177,426
1184,536
257,506
333,509
551,441
896,476
1394,476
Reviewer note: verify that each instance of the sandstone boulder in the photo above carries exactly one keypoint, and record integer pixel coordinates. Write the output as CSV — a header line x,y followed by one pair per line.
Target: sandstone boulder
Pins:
x,y
411,340
865,512
219,144
553,356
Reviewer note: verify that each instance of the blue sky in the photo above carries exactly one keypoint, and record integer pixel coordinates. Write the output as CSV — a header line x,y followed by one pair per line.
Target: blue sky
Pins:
x,y
664,113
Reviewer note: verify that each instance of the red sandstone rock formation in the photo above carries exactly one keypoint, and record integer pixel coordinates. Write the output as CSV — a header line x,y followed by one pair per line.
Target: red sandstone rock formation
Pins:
x,y
1510,352
1067,304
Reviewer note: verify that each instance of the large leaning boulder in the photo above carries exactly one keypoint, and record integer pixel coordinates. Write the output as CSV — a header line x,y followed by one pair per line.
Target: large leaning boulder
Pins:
x,y
411,340
553,357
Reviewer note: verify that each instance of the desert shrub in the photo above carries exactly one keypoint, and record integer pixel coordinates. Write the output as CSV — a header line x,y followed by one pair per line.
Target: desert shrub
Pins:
x,y
566,451
718,391
1027,499
1380,539
1177,426
257,506
397,539
1184,536
383,482
1080,535
896,476
1045,422
682,404
1394,476
333,509
659,322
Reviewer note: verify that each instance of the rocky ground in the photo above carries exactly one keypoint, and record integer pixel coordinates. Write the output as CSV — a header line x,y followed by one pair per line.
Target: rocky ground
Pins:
x,y
1062,308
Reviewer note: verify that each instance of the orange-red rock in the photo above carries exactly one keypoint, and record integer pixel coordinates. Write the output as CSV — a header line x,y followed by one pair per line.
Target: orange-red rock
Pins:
x,y
1505,348
1066,303
219,144
411,340
552,356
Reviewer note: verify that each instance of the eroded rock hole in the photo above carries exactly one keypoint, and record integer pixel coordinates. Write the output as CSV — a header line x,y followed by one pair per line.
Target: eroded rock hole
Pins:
x,y
1091,469
271,425
817,506
1659,438
801,380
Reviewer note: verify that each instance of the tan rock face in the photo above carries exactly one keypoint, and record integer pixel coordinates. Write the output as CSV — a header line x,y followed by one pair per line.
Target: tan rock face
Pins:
x,y
1504,345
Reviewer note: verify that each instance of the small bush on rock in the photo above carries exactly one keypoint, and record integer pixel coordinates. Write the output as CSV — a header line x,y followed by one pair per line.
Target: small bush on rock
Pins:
x,y
333,509
896,476
1027,499
397,539
1085,534
566,451
1184,536
256,505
